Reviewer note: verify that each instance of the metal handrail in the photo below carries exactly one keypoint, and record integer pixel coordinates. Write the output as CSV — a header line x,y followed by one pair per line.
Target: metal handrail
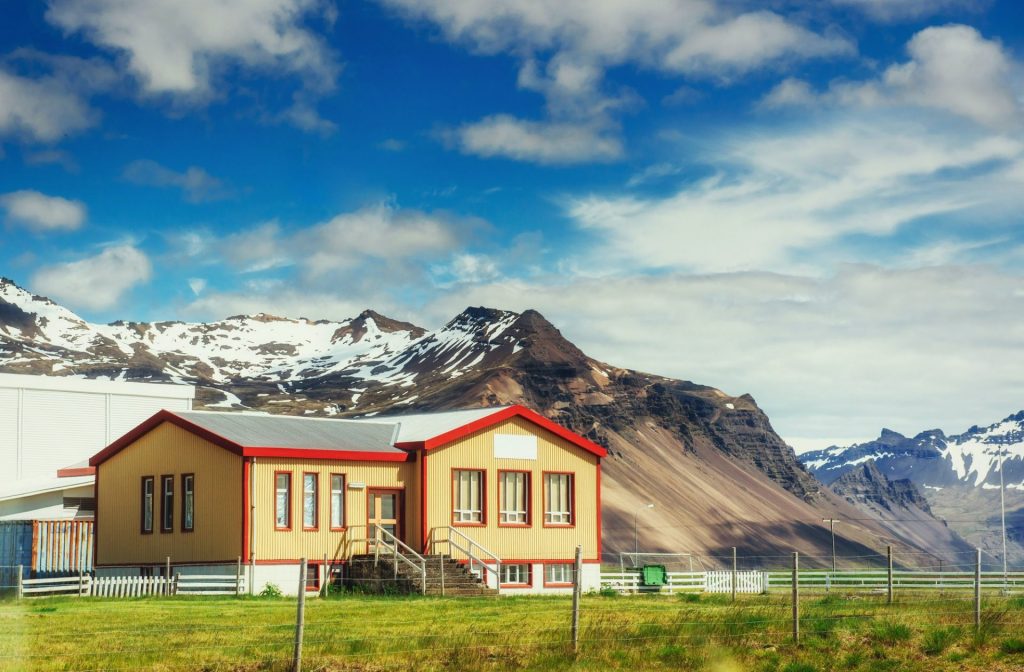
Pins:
x,y
379,534
469,552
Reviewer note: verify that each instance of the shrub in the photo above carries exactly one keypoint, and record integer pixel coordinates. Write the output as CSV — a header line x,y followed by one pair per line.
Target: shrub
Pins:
x,y
797,666
890,632
1012,645
608,591
271,590
938,640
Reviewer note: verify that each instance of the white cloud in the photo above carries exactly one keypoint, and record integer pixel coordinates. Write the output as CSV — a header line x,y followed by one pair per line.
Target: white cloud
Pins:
x,y
41,213
699,37
51,157
538,141
566,47
197,285
466,268
180,48
42,110
196,184
96,283
890,348
951,68
896,10
779,197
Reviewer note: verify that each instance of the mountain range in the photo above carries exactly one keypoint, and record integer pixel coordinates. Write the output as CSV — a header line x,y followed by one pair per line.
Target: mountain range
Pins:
x,y
959,475
711,462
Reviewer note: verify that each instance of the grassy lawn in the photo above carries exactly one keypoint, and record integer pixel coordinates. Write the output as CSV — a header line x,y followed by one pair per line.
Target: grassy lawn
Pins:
x,y
840,632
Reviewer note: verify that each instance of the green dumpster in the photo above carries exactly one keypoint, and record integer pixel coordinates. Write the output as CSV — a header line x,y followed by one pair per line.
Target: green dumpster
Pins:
x,y
654,575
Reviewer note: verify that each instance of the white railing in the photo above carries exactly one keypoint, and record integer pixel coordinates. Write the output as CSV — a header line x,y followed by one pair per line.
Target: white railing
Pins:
x,y
379,537
135,586
469,551
630,581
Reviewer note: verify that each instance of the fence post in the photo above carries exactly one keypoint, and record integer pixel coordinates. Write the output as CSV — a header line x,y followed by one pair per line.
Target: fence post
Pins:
x,y
323,579
977,590
796,597
174,586
300,618
576,589
167,575
18,582
252,574
81,580
888,553
734,574
442,575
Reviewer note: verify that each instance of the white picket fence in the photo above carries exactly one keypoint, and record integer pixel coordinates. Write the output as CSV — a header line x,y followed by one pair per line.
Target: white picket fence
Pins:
x,y
629,581
135,586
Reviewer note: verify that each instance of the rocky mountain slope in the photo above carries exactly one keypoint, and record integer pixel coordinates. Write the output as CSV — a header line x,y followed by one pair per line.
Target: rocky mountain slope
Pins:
x,y
868,486
718,473
958,474
933,459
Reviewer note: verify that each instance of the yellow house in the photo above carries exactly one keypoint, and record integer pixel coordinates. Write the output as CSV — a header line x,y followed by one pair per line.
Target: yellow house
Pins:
x,y
505,491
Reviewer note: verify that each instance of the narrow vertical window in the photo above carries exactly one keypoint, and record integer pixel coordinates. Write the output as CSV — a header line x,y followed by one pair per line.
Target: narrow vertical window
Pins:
x,y
558,499
282,500
167,503
468,496
514,496
337,501
310,490
188,502
147,504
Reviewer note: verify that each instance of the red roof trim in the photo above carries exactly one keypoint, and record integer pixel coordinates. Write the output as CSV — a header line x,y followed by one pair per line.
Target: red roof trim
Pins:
x,y
70,472
151,424
327,454
500,416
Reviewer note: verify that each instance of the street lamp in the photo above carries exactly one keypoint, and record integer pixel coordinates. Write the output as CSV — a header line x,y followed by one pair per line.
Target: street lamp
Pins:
x,y
832,528
636,538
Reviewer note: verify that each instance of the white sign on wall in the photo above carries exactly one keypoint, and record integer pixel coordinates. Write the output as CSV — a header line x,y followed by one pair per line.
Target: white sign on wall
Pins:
x,y
515,447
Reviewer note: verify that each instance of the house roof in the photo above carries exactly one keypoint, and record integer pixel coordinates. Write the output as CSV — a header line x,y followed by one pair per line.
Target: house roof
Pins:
x,y
382,438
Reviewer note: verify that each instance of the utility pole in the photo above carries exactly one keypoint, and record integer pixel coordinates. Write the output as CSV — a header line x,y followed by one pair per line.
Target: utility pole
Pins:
x,y
832,528
1002,512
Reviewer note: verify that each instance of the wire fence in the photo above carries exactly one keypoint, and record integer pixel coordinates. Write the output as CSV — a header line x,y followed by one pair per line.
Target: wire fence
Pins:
x,y
601,630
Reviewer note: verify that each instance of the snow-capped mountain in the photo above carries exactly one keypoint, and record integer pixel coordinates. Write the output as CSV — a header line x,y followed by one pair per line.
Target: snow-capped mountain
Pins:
x,y
932,459
720,473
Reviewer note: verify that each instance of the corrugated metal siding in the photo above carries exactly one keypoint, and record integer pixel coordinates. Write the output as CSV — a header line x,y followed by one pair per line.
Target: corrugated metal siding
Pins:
x,y
169,449
274,544
61,547
535,542
15,549
9,434
80,421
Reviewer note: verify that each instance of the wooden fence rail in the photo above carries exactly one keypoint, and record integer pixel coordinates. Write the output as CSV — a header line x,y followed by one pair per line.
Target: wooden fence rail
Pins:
x,y
134,586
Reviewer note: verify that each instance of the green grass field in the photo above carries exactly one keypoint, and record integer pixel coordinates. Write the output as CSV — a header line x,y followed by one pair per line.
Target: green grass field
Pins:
x,y
839,632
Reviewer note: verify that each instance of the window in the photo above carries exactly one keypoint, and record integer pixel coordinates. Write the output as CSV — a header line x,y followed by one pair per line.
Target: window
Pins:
x,y
282,500
558,574
312,577
515,575
468,486
310,489
515,497
147,505
558,499
188,502
337,501
167,503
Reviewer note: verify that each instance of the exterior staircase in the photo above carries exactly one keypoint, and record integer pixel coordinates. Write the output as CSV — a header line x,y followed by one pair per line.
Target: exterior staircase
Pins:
x,y
445,576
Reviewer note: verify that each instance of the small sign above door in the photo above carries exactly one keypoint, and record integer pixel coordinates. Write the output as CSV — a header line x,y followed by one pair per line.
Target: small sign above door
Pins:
x,y
515,447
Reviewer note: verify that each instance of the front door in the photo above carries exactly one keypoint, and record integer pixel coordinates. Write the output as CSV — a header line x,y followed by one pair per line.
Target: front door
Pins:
x,y
385,509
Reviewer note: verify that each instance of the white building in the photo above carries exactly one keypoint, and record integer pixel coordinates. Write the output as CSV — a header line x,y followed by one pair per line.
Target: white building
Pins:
x,y
50,426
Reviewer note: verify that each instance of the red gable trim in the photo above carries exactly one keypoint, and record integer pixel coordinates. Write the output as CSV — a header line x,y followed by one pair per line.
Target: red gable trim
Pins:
x,y
70,472
245,451
500,416
151,424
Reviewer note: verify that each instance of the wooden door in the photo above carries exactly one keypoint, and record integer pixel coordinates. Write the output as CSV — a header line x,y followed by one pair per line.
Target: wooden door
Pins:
x,y
385,509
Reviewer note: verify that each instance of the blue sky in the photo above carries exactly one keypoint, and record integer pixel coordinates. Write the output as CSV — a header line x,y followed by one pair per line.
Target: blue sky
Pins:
x,y
816,202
